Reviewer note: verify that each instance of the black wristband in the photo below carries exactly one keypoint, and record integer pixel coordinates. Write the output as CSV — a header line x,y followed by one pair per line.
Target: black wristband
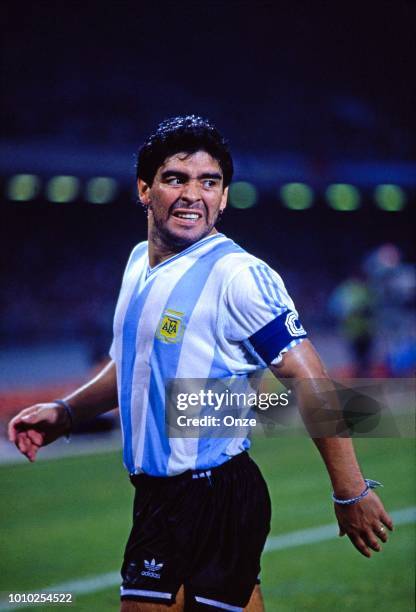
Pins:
x,y
68,411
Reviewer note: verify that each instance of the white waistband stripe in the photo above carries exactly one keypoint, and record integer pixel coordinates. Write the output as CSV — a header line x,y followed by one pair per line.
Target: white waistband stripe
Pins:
x,y
218,604
145,593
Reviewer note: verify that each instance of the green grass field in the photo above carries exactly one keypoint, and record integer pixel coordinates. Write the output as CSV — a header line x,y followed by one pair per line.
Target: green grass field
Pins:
x,y
68,519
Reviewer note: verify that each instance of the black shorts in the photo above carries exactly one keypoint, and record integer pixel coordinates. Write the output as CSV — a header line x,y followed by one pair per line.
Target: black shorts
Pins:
x,y
203,529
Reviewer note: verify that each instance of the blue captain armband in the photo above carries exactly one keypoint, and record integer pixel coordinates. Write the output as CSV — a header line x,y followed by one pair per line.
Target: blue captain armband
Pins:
x,y
283,332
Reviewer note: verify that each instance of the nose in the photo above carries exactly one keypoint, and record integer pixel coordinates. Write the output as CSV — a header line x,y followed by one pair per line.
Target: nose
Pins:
x,y
191,192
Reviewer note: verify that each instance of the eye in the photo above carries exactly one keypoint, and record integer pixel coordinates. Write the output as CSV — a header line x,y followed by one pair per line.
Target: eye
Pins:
x,y
174,180
209,183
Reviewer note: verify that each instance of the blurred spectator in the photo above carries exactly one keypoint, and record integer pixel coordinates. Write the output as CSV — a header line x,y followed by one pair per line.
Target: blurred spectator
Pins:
x,y
394,285
352,304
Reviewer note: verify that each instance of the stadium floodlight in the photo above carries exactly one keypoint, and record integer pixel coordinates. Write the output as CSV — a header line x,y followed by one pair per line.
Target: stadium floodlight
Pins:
x,y
61,189
101,190
23,187
343,197
390,197
242,195
296,196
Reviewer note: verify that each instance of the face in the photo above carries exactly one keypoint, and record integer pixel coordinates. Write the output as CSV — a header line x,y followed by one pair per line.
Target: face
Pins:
x,y
184,200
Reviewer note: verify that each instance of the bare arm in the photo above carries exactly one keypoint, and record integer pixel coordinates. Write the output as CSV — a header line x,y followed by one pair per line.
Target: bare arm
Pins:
x,y
97,396
361,521
41,424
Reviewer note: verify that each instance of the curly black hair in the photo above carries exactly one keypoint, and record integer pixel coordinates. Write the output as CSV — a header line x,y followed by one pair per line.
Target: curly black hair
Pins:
x,y
186,134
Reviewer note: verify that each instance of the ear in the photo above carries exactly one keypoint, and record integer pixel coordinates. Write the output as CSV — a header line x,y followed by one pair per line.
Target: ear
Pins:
x,y
224,199
143,190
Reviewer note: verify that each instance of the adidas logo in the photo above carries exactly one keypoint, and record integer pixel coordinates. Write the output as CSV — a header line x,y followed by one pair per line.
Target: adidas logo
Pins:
x,y
151,569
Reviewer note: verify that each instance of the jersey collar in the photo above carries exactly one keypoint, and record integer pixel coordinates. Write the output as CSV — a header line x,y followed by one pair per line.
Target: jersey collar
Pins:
x,y
193,247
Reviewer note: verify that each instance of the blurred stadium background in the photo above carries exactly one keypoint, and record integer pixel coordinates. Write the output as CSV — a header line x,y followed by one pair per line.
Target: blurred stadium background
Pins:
x,y
317,103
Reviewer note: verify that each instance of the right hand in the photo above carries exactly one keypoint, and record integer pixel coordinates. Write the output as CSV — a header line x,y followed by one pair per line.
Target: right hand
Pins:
x,y
38,426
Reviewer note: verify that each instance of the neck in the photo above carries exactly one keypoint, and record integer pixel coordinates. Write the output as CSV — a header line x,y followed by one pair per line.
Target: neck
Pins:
x,y
160,250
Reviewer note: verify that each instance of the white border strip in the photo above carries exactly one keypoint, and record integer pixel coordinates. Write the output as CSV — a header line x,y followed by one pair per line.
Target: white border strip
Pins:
x,y
218,604
144,593
281,542
327,532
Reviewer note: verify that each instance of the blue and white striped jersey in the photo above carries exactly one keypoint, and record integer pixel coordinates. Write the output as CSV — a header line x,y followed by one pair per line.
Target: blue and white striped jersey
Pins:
x,y
211,311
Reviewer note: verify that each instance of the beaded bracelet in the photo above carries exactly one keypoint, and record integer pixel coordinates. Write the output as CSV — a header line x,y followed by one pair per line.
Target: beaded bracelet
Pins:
x,y
369,484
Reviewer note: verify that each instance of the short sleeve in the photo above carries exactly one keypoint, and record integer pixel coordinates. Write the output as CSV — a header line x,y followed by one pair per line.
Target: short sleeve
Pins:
x,y
261,314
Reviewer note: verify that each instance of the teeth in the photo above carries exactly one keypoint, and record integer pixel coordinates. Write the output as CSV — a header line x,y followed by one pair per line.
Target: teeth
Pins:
x,y
192,216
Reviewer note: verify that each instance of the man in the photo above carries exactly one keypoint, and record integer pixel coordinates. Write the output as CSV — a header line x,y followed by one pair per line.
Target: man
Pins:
x,y
193,304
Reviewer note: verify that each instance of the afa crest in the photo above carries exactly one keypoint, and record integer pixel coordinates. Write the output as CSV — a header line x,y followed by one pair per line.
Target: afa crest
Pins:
x,y
171,326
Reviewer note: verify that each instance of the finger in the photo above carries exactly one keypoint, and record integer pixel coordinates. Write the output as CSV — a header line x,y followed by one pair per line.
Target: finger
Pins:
x,y
372,541
35,437
13,428
31,455
16,422
23,447
21,441
383,536
24,444
387,520
34,447
381,533
359,544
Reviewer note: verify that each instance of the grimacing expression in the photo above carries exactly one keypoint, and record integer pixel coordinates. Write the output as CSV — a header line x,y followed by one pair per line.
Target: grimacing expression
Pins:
x,y
185,199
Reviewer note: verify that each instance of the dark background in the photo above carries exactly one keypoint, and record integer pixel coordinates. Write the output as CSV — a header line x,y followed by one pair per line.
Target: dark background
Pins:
x,y
315,92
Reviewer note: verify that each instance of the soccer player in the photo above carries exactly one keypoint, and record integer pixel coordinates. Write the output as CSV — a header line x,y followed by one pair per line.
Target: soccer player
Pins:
x,y
193,304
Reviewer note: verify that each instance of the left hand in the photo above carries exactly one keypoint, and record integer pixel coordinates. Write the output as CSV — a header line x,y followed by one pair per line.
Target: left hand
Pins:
x,y
364,522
